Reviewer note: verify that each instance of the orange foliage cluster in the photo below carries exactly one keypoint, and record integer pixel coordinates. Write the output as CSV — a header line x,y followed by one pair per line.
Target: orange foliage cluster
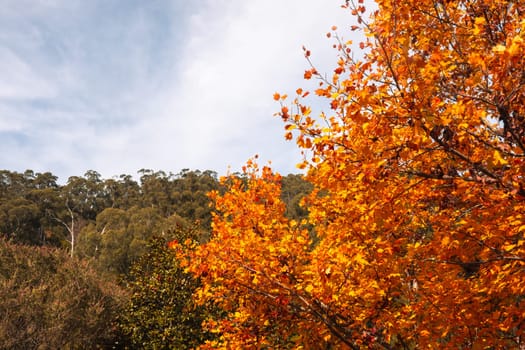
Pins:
x,y
415,234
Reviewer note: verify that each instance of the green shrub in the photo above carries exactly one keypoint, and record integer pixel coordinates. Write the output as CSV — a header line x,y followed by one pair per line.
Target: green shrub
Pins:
x,y
161,313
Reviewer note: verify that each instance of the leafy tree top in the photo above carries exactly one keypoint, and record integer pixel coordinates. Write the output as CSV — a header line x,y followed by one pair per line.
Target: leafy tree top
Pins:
x,y
418,198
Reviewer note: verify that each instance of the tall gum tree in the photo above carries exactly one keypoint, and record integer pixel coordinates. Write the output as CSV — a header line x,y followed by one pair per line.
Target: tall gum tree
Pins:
x,y
419,197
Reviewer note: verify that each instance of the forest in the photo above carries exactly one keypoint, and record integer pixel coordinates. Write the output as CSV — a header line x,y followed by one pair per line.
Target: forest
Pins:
x,y
87,263
406,230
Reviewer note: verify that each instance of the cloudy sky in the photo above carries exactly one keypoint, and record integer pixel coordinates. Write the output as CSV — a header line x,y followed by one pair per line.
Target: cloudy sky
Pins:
x,y
119,85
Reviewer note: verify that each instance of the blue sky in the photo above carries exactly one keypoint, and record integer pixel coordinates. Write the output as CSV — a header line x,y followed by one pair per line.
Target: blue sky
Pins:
x,y
119,85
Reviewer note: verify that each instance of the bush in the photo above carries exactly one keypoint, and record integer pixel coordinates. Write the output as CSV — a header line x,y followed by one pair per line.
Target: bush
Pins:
x,y
51,301
161,313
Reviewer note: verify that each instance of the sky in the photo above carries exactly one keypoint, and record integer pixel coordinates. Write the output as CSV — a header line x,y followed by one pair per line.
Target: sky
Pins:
x,y
117,86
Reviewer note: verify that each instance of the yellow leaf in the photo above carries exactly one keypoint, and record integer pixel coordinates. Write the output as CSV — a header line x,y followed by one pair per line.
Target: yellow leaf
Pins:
x,y
360,259
516,46
499,48
499,160
309,288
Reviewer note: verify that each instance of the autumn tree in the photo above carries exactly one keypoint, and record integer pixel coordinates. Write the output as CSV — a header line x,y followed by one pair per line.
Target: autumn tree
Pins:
x,y
252,265
418,200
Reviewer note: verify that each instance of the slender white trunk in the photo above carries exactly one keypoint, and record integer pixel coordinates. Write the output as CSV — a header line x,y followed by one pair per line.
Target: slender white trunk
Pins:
x,y
70,228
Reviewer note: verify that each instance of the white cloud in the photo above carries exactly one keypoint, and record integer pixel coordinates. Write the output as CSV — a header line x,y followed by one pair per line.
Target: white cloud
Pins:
x,y
116,86
20,80
218,109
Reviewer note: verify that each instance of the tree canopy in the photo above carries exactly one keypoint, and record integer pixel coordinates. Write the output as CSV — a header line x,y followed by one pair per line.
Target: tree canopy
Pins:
x,y
418,197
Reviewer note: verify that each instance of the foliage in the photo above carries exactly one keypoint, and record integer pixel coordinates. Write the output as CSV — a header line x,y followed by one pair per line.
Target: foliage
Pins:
x,y
190,195
293,189
161,314
418,200
118,237
50,301
252,263
26,199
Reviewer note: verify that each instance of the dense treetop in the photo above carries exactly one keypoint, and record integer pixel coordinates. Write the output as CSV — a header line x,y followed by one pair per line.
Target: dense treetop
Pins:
x,y
418,199
111,219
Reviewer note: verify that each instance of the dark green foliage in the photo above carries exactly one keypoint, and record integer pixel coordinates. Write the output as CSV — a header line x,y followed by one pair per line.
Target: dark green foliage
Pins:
x,y
294,188
121,193
190,195
161,314
50,301
184,194
119,237
26,200
85,195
